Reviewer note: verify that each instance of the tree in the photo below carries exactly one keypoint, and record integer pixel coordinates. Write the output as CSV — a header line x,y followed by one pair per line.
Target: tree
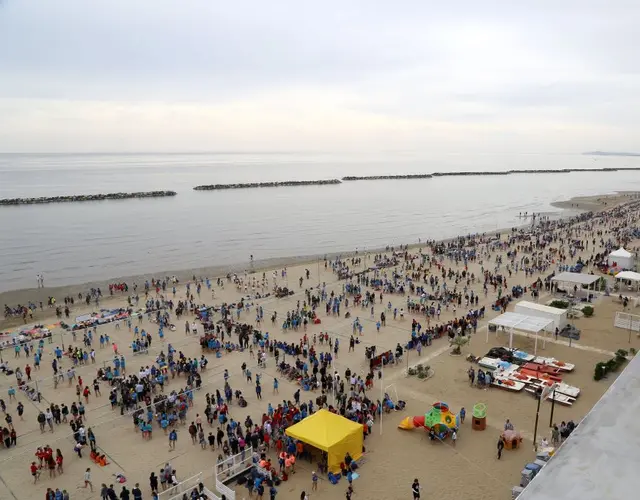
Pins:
x,y
458,342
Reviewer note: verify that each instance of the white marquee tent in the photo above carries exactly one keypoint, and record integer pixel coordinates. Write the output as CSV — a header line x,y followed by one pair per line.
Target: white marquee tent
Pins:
x,y
576,278
524,323
621,258
558,316
629,276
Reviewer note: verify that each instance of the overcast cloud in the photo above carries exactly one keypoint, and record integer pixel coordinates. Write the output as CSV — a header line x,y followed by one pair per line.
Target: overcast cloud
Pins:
x,y
206,75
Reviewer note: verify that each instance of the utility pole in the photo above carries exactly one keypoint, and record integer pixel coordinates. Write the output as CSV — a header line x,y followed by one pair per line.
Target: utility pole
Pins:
x,y
553,405
535,430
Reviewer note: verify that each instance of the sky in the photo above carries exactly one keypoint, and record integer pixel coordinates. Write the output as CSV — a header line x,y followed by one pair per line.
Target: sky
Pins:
x,y
293,75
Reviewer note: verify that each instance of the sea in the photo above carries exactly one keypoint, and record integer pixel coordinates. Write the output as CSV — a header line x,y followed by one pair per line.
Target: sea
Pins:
x,y
79,242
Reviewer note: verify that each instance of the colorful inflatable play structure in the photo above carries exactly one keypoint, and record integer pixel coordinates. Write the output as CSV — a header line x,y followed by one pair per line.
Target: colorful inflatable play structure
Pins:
x,y
439,419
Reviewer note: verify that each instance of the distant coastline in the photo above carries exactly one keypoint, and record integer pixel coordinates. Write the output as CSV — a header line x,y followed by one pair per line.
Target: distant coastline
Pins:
x,y
609,153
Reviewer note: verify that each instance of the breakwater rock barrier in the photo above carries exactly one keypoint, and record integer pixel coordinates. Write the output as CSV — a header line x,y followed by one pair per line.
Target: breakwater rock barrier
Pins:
x,y
462,174
85,197
215,187
382,177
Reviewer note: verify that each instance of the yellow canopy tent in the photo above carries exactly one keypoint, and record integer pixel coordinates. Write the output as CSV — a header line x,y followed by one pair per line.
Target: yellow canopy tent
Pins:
x,y
331,433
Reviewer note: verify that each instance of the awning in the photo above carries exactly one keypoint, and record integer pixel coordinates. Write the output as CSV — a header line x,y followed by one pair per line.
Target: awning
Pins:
x,y
331,433
577,278
628,275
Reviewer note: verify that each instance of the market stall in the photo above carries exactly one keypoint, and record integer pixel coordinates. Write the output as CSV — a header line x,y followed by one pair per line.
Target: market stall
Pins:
x,y
528,324
331,433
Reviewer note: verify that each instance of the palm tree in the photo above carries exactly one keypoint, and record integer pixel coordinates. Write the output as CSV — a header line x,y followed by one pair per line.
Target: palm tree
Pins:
x,y
458,342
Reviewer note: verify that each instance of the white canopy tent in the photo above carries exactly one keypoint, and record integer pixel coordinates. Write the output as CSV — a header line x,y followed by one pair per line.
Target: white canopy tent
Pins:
x,y
576,278
621,258
629,276
528,324
558,316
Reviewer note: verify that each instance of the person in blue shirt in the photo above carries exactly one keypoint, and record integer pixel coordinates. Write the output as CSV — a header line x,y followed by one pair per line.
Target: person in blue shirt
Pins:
x,y
173,437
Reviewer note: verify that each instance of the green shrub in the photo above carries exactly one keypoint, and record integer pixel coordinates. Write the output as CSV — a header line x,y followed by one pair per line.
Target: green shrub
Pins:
x,y
600,371
559,304
621,353
633,351
587,311
612,365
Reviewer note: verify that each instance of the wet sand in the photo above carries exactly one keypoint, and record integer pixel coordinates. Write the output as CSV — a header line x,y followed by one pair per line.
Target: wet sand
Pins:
x,y
393,458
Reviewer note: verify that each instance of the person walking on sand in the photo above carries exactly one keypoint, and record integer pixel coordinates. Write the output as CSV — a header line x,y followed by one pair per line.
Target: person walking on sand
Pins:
x,y
314,481
500,447
87,479
173,437
415,489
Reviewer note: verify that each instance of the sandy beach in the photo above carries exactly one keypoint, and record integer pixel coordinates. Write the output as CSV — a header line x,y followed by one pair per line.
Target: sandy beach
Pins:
x,y
393,457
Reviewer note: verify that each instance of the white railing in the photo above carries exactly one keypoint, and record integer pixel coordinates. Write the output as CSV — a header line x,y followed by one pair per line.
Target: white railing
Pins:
x,y
627,321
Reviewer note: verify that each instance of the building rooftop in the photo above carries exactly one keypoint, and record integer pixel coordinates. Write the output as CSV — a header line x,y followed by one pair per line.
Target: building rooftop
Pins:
x,y
601,457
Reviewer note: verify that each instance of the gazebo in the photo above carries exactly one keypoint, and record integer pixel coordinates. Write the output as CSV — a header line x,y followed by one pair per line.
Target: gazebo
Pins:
x,y
629,276
576,279
331,433
528,324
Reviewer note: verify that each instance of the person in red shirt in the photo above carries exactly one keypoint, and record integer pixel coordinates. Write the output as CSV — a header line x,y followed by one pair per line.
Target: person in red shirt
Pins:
x,y
40,455
267,440
59,460
35,472
27,370
86,393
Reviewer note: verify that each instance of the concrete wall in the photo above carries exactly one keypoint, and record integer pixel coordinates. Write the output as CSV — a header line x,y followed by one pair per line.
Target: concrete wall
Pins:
x,y
601,458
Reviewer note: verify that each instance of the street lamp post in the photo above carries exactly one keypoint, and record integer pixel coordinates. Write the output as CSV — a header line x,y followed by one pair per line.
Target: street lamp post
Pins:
x,y
535,430
553,404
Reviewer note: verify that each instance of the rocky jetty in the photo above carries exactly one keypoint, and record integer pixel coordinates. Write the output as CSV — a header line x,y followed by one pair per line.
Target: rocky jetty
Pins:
x,y
386,177
85,197
461,174
215,187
